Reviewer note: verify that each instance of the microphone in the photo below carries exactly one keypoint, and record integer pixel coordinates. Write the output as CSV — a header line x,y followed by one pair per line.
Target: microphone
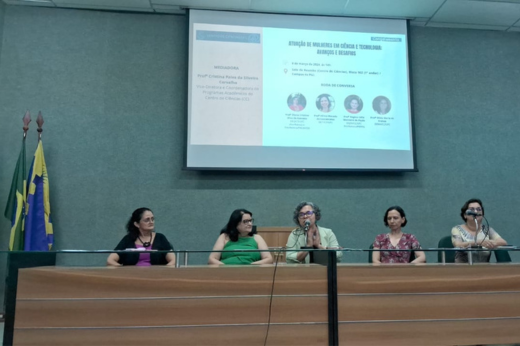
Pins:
x,y
306,225
472,213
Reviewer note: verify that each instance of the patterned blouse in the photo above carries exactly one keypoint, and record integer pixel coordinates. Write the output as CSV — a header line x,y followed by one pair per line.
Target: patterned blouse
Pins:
x,y
407,242
458,233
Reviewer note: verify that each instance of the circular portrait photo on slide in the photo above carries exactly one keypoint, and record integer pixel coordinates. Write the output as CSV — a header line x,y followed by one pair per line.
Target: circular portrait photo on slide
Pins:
x,y
296,102
353,104
381,105
325,103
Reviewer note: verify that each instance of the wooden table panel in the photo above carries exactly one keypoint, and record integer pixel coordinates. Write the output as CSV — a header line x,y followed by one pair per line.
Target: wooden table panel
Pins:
x,y
133,282
462,332
222,335
428,278
168,312
427,306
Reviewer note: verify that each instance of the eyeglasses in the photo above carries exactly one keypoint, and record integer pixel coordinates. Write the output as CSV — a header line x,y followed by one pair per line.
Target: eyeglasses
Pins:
x,y
148,220
475,209
309,214
250,221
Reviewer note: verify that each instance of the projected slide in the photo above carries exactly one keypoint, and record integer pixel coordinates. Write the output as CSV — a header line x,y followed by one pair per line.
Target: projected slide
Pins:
x,y
227,85
267,88
327,68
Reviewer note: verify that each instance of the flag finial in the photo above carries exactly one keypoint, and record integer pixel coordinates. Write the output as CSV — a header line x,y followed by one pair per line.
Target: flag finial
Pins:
x,y
39,121
26,120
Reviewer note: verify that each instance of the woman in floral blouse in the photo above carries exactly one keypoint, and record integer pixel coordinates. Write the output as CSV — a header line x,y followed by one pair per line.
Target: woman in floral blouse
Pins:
x,y
395,219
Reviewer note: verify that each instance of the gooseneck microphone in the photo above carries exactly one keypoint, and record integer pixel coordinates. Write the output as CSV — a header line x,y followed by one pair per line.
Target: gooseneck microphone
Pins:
x,y
306,225
475,214
472,213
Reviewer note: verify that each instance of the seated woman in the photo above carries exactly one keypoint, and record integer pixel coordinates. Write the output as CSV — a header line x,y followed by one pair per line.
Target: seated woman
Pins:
x,y
395,219
141,236
309,234
474,234
238,235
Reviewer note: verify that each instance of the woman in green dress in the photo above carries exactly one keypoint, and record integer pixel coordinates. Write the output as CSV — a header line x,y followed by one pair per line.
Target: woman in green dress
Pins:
x,y
238,235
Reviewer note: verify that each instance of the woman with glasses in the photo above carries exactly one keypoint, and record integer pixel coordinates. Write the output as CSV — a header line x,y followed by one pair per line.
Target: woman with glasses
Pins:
x,y
472,233
236,236
395,219
309,235
141,236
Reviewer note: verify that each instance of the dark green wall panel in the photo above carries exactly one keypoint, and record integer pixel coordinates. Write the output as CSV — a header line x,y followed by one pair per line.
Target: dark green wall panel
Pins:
x,y
112,87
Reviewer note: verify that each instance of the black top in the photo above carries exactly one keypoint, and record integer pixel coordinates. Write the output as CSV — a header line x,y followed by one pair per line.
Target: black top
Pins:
x,y
159,243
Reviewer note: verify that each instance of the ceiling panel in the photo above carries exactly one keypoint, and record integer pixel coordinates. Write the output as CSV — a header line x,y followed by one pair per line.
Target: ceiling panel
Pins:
x,y
394,8
329,7
168,9
106,3
467,26
419,21
106,8
209,4
414,23
478,12
32,3
468,14
513,1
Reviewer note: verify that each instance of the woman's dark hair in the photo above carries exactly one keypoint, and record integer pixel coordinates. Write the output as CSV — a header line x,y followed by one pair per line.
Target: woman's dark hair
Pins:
x,y
317,211
231,228
466,206
137,215
399,210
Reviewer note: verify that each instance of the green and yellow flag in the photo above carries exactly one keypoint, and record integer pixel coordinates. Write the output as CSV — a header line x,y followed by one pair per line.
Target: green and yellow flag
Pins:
x,y
15,208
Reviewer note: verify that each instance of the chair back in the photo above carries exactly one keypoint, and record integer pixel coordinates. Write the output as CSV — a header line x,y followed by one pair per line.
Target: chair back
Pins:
x,y
446,243
502,256
276,239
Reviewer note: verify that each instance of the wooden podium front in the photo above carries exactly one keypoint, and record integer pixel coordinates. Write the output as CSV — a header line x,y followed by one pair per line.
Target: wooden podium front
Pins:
x,y
171,306
377,305
454,304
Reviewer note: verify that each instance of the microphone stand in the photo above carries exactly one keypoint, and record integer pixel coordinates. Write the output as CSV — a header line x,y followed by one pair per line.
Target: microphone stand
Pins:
x,y
476,246
476,231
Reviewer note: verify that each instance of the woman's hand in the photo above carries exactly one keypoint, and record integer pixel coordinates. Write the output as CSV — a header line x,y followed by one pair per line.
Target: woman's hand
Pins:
x,y
489,244
311,233
266,257
316,240
113,259
313,238
170,258
214,257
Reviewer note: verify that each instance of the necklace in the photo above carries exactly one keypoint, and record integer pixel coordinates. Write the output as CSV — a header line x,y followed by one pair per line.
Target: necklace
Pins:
x,y
146,244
